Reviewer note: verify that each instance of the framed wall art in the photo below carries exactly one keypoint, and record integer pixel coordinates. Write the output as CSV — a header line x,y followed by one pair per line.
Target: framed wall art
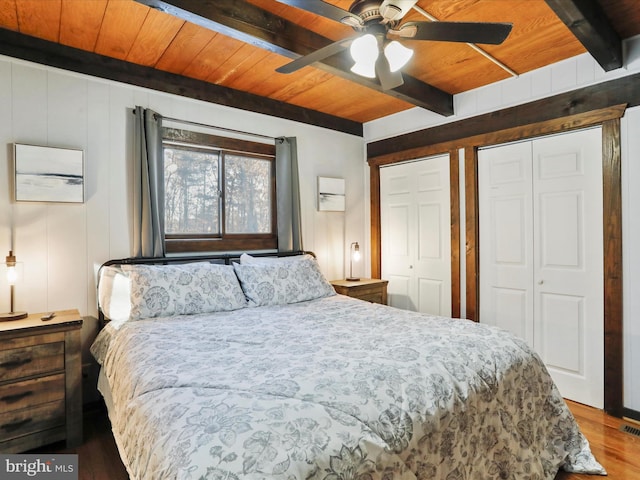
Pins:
x,y
331,194
47,174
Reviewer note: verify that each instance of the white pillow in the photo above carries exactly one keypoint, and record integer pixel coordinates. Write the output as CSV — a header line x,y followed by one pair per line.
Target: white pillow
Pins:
x,y
282,282
184,289
114,295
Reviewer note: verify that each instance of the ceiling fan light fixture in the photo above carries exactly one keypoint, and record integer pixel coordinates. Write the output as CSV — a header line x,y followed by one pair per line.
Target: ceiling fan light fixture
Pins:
x,y
364,51
397,54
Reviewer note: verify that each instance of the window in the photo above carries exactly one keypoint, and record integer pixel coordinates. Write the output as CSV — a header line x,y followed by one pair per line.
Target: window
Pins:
x,y
219,193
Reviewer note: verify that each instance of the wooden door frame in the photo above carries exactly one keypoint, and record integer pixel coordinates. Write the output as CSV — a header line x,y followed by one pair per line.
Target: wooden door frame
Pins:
x,y
609,119
454,215
454,206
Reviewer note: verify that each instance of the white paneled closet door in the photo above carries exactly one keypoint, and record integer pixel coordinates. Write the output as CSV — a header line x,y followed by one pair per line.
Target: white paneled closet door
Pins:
x,y
541,251
416,235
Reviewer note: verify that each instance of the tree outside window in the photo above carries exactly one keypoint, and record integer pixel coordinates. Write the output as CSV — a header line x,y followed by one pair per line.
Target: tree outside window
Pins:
x,y
218,198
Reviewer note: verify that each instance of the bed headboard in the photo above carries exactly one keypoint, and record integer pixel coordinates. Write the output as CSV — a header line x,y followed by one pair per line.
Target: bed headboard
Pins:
x,y
222,259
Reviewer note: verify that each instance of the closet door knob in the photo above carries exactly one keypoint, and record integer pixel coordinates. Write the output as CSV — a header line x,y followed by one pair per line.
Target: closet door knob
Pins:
x,y
540,282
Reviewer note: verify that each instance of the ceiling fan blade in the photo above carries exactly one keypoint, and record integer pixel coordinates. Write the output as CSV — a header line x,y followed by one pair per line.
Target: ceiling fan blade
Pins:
x,y
388,79
326,10
316,56
392,10
465,32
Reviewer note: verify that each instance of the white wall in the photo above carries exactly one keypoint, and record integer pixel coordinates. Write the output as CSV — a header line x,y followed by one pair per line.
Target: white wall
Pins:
x,y
564,76
62,245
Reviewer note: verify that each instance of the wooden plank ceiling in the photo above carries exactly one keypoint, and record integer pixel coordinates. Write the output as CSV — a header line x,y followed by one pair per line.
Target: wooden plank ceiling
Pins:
x,y
232,59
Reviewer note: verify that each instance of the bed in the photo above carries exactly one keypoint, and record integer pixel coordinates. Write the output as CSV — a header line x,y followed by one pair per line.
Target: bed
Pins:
x,y
256,369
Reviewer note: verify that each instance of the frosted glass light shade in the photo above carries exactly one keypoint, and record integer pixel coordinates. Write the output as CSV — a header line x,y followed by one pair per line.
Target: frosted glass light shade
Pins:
x,y
12,275
354,249
364,51
397,54
365,69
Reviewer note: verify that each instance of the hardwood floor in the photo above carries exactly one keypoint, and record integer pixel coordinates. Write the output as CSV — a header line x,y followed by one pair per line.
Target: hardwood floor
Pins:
x,y
617,451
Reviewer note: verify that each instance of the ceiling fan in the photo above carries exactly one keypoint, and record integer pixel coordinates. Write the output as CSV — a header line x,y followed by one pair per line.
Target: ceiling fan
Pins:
x,y
379,27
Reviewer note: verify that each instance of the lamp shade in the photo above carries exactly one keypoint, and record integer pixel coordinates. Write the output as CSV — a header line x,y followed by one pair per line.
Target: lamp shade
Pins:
x,y
364,69
12,274
12,277
354,254
397,54
364,51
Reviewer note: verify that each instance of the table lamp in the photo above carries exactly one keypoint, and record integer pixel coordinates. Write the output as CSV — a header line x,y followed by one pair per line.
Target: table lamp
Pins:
x,y
354,251
12,277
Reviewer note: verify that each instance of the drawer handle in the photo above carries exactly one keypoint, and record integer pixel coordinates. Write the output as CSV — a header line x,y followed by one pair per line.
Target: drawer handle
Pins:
x,y
16,397
10,427
16,363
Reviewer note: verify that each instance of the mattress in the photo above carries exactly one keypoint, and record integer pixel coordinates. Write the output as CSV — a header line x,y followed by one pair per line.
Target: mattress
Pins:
x,y
333,388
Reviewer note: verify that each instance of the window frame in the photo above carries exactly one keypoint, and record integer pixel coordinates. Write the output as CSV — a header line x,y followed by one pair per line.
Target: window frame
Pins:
x,y
200,243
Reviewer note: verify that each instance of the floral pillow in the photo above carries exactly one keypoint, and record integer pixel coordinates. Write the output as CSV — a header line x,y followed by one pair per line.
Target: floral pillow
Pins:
x,y
187,289
279,283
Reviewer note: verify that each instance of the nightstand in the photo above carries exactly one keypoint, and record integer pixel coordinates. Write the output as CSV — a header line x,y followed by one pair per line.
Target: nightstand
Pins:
x,y
40,382
369,289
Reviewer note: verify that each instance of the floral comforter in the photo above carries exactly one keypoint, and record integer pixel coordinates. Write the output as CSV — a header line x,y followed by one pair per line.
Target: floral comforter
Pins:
x,y
333,389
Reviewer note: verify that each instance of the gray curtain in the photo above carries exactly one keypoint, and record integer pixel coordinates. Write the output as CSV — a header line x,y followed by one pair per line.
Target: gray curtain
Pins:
x,y
288,187
148,185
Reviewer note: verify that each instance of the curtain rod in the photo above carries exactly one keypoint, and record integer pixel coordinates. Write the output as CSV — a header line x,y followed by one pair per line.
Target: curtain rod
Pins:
x,y
197,124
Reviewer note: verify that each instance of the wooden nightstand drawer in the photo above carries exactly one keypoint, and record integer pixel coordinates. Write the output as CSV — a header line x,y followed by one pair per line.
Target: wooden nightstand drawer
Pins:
x,y
371,297
24,422
28,393
28,361
40,382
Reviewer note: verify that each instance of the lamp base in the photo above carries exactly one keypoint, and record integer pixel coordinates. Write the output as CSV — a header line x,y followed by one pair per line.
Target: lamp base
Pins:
x,y
6,317
352,279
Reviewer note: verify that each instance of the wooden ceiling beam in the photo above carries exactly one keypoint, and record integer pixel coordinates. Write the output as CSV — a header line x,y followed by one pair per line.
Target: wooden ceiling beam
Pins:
x,y
588,22
622,91
250,24
36,50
